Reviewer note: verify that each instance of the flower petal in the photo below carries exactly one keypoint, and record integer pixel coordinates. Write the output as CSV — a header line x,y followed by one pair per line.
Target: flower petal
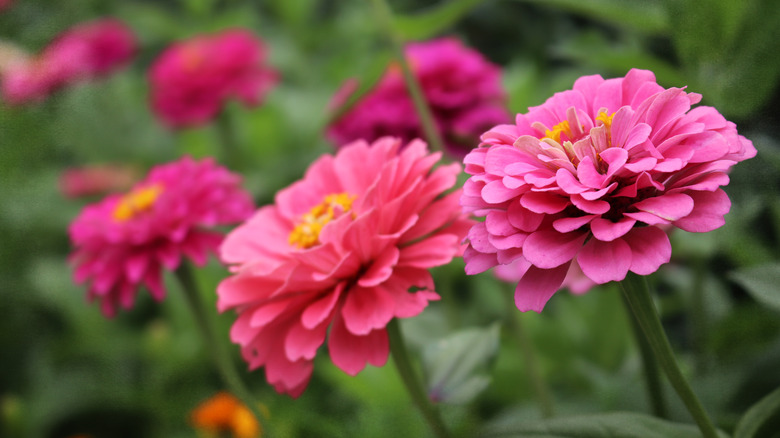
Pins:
x,y
549,249
537,286
603,262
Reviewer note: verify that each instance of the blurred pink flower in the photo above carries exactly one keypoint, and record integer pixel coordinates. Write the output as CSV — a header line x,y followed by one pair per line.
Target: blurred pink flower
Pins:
x,y
5,4
83,52
462,88
96,180
338,253
595,175
192,79
126,240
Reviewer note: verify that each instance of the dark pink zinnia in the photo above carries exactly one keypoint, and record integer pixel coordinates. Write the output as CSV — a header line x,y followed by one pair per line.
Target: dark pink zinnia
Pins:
x,y
463,90
125,241
192,79
340,254
595,176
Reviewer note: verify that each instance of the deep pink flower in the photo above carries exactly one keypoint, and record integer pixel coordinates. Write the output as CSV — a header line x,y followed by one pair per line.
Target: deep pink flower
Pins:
x,y
83,52
462,88
595,175
192,79
338,253
126,240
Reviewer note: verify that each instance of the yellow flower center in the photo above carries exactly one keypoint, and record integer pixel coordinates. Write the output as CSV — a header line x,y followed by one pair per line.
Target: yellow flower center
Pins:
x,y
136,202
557,130
307,233
605,119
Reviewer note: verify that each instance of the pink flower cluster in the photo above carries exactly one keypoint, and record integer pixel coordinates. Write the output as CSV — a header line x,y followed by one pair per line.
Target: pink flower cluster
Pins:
x,y
594,177
192,79
337,257
85,51
126,240
462,88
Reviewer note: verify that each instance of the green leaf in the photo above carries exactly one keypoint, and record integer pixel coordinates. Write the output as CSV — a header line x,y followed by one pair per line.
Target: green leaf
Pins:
x,y
635,15
612,425
761,283
762,420
433,21
453,364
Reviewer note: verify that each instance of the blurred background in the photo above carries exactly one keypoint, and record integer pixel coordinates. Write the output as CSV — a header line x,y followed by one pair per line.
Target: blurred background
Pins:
x,y
65,370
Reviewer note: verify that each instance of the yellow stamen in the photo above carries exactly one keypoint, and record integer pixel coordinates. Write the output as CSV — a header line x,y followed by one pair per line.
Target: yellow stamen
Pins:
x,y
136,202
555,133
307,233
605,119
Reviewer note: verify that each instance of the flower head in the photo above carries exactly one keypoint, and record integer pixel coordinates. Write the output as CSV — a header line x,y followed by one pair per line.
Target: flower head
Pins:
x,y
224,413
594,177
338,253
462,88
83,52
126,240
192,79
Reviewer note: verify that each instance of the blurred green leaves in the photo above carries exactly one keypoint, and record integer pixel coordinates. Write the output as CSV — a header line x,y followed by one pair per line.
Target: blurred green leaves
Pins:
x,y
761,420
761,282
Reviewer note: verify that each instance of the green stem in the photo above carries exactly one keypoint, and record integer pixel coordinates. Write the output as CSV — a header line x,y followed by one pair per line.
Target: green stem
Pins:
x,y
230,153
413,385
637,294
385,17
538,383
216,348
651,373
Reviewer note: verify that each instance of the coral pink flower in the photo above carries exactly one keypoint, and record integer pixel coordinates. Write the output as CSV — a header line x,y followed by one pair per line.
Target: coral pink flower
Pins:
x,y
192,79
596,175
85,51
126,240
338,253
462,88
96,180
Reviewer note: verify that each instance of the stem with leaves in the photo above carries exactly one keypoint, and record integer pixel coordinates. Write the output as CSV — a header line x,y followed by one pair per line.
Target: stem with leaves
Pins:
x,y
637,294
413,386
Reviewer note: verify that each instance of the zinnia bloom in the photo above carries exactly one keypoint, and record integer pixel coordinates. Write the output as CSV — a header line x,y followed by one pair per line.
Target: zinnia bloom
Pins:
x,y
126,240
594,177
462,88
85,51
192,79
338,253
225,414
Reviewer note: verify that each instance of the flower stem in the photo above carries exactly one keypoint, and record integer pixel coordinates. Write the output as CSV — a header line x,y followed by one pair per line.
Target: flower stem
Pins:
x,y
538,383
230,153
385,17
637,294
413,385
218,353
651,373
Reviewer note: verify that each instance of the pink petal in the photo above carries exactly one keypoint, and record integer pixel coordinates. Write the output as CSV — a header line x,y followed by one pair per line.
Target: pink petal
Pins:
x,y
321,309
477,262
591,207
603,262
708,211
522,218
607,231
351,353
433,251
568,224
366,309
650,248
496,192
549,249
381,269
541,202
302,342
670,207
537,286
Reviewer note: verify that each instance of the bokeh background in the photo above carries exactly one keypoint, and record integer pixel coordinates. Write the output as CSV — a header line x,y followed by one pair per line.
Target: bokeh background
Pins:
x,y
67,370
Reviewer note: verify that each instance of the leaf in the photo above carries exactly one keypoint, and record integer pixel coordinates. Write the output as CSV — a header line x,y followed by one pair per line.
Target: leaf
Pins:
x,y
454,363
635,15
761,282
612,425
427,24
762,420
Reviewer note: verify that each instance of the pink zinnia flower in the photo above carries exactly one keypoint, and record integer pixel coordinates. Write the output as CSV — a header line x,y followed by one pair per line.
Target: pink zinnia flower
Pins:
x,y
192,79
462,88
594,177
338,253
126,240
85,51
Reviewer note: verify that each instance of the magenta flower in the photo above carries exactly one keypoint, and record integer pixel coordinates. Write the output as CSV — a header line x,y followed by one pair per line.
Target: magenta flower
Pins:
x,y
593,177
126,240
83,52
192,79
338,253
462,88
